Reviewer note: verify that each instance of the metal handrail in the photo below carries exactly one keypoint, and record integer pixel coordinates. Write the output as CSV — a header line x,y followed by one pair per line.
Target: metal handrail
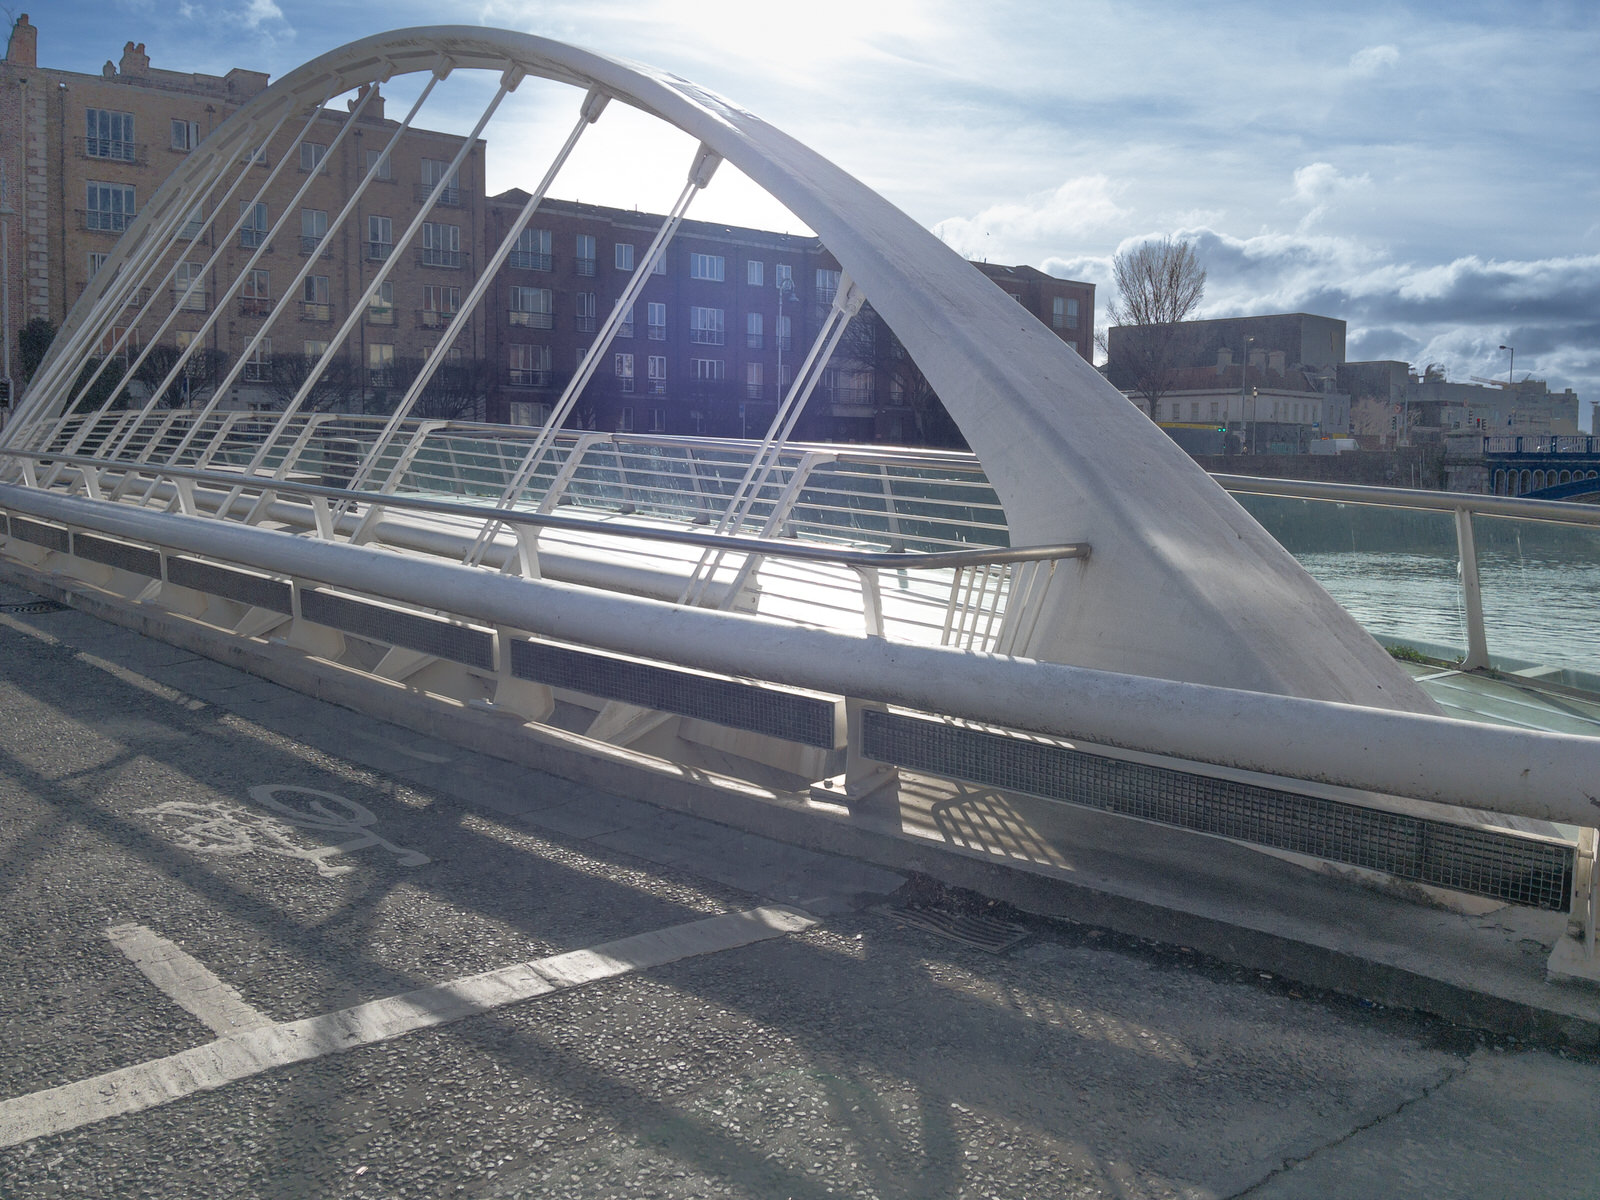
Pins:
x,y
1556,511
734,543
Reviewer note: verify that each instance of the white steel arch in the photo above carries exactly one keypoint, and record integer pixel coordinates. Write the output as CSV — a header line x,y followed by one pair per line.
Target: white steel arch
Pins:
x,y
1183,584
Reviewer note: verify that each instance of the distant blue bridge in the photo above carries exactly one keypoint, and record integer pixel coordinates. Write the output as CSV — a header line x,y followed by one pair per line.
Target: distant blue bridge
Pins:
x,y
1548,467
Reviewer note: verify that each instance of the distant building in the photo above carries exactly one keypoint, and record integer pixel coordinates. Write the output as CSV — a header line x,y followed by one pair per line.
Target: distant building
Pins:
x,y
1392,404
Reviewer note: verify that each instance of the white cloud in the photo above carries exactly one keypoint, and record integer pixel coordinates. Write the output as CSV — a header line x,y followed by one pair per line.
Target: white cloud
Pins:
x,y
1069,211
1319,184
1373,59
258,11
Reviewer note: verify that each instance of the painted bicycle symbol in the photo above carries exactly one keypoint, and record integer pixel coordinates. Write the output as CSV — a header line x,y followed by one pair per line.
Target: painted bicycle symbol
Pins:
x,y
232,830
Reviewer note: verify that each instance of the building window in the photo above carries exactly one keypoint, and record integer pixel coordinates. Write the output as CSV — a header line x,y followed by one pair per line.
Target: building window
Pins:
x,y
622,368
754,272
109,134
441,245
526,412
752,381
785,341
313,349
624,256
707,368
314,304
313,228
255,297
533,250
625,417
705,326
584,249
439,304
658,420
311,155
659,267
583,311
188,287
435,171
96,261
656,369
253,230
753,335
532,308
782,273
185,135
625,326
183,338
380,238
529,366
380,364
193,225
706,266
379,159
1063,313
827,285
257,365
110,207
380,311
656,321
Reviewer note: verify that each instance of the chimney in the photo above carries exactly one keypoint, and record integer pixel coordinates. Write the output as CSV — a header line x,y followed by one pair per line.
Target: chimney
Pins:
x,y
1224,359
1275,361
134,60
1258,360
23,48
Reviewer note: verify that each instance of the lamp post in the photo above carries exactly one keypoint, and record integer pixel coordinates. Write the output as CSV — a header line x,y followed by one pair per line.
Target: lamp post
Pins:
x,y
5,286
1244,367
1511,367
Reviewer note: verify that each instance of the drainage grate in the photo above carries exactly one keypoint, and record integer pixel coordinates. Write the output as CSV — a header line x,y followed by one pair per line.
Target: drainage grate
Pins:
x,y
33,606
975,929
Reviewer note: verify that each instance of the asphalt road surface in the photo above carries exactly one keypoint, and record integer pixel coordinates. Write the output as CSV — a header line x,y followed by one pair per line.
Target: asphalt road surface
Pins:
x,y
257,946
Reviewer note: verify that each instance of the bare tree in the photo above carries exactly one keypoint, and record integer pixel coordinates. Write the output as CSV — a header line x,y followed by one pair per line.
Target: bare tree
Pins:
x,y
194,384
1159,283
338,389
455,390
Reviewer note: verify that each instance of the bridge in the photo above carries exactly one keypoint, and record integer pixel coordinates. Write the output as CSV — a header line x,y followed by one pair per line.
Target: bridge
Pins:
x,y
1545,467
829,623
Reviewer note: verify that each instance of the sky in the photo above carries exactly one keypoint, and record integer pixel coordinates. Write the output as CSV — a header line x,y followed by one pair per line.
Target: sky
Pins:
x,y
1429,172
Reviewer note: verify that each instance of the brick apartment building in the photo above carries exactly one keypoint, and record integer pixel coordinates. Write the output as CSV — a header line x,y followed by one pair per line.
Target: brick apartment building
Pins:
x,y
715,335
83,153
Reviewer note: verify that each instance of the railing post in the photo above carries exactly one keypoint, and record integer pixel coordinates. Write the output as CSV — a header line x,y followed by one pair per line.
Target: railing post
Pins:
x,y
1477,656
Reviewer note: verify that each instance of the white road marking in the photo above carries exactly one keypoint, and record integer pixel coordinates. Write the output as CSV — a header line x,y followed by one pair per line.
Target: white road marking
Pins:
x,y
229,830
240,1055
186,982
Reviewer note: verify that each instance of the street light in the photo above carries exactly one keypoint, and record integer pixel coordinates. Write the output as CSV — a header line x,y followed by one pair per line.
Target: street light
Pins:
x,y
785,288
1244,367
5,288
1511,367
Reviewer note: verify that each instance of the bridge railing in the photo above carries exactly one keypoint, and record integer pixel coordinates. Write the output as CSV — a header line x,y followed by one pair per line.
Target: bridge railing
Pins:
x,y
1488,582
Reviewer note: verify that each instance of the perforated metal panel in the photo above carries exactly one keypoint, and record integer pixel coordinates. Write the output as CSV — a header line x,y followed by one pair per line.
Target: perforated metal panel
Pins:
x,y
51,537
255,590
141,560
458,643
793,716
1482,862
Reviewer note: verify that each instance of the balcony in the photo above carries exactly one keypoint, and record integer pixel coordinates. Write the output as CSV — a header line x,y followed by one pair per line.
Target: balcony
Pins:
x,y
100,221
380,377
257,370
451,195
531,320
586,325
584,266
785,344
433,256
309,244
380,314
527,260
625,330
252,239
658,387
752,391
379,251
754,341
255,306
434,318
706,337
310,310
517,377
112,149
656,333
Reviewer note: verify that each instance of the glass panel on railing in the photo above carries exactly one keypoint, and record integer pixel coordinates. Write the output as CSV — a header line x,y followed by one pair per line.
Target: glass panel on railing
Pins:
x,y
1539,582
1397,571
